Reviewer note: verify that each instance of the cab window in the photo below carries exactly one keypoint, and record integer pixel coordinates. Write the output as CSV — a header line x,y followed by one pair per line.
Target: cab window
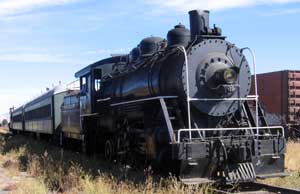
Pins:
x,y
97,79
85,82
97,84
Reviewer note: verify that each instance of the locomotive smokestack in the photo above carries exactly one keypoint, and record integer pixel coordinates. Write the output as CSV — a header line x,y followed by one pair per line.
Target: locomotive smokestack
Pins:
x,y
199,22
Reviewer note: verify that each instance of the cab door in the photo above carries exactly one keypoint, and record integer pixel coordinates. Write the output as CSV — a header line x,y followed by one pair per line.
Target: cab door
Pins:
x,y
85,95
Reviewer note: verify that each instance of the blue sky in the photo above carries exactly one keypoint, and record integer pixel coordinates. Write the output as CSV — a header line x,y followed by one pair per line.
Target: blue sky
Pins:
x,y
47,41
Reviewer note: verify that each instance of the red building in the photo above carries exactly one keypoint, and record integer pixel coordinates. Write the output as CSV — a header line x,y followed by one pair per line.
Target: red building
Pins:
x,y
279,95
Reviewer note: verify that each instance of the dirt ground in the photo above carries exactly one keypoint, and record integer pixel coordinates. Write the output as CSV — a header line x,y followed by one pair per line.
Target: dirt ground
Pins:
x,y
8,181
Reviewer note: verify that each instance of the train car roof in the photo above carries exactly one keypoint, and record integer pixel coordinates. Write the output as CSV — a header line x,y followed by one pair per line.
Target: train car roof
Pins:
x,y
50,93
114,59
285,70
17,109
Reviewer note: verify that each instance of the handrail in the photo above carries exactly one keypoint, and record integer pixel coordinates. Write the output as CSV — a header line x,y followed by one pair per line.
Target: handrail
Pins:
x,y
74,85
255,82
250,97
142,100
227,129
182,48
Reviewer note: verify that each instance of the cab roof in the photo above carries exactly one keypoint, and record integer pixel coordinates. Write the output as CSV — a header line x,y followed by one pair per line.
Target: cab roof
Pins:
x,y
88,69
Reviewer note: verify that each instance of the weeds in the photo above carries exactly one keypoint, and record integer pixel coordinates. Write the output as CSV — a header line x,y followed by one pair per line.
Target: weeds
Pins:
x,y
292,157
292,181
61,171
292,165
57,171
31,186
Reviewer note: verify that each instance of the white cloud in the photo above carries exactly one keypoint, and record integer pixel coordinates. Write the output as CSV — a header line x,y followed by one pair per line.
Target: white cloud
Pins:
x,y
33,57
186,5
108,51
16,98
11,7
43,56
280,12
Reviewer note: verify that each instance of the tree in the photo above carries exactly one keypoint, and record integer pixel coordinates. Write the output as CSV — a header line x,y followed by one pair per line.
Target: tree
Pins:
x,y
4,122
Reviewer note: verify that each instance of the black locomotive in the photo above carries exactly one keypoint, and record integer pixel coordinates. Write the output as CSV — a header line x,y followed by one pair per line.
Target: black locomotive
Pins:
x,y
181,105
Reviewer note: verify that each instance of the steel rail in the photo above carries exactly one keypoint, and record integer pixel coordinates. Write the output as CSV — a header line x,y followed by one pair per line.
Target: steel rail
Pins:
x,y
269,188
255,188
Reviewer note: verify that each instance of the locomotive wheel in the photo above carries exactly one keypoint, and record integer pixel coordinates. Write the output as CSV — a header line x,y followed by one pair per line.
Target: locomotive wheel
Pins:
x,y
109,151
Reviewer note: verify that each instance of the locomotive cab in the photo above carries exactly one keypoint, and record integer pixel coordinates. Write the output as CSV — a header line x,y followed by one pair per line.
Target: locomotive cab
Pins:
x,y
91,79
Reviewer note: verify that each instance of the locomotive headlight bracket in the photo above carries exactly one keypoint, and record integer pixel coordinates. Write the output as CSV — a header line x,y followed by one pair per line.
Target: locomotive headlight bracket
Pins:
x,y
222,78
226,76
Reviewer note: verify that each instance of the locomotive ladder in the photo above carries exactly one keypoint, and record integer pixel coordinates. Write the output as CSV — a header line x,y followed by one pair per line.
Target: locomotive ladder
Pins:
x,y
258,112
167,118
252,123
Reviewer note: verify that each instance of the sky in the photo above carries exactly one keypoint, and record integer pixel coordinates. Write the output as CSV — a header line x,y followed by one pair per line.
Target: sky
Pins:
x,y
43,42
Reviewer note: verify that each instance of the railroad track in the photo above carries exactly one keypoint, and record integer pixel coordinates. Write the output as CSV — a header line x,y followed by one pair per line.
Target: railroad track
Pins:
x,y
257,188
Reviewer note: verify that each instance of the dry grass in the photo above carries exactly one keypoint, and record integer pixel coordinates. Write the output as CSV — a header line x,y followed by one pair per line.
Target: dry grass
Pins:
x,y
68,172
292,165
52,171
31,186
292,181
292,160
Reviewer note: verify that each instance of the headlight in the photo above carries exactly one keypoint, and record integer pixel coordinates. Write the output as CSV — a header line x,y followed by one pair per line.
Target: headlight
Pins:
x,y
230,76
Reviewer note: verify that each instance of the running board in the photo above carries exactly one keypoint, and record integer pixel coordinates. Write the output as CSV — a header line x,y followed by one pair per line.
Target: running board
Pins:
x,y
272,175
195,181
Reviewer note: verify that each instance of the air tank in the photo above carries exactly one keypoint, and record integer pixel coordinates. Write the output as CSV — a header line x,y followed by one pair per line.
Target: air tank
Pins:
x,y
150,45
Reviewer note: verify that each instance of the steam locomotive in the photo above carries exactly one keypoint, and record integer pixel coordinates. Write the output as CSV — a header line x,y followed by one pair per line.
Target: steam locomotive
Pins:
x,y
181,105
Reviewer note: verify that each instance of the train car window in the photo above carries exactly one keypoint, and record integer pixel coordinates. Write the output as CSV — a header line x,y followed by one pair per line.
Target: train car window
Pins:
x,y
17,118
67,101
39,113
74,100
